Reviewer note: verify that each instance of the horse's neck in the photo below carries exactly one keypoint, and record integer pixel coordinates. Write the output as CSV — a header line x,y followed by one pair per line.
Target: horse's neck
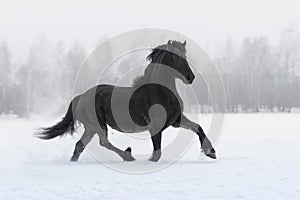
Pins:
x,y
161,75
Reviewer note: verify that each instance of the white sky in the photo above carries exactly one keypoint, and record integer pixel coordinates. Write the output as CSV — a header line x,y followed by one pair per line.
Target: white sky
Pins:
x,y
208,22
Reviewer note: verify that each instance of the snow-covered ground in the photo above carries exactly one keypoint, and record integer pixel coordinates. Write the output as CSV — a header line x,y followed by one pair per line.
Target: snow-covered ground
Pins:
x,y
258,158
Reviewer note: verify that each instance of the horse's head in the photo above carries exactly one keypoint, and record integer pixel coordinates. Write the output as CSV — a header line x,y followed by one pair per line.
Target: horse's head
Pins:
x,y
173,54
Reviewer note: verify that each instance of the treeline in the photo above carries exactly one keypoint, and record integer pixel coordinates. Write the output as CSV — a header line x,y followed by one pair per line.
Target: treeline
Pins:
x,y
257,76
42,82
261,77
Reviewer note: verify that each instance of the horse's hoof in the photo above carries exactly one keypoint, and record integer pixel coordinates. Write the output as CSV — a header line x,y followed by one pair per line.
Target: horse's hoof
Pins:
x,y
210,153
128,156
153,159
74,159
155,156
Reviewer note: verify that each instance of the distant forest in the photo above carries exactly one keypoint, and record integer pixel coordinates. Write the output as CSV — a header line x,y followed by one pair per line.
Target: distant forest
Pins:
x,y
258,76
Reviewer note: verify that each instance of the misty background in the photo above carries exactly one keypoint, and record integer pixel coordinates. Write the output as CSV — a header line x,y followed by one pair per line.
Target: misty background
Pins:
x,y
255,44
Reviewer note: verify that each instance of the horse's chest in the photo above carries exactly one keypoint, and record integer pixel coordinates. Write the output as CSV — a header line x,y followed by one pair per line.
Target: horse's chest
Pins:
x,y
145,100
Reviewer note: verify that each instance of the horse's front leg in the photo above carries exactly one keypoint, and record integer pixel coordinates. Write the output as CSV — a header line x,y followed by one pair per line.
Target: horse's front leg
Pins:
x,y
204,141
157,123
156,141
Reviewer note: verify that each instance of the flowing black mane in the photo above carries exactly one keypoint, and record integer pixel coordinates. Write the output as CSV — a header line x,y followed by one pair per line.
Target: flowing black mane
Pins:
x,y
157,53
156,56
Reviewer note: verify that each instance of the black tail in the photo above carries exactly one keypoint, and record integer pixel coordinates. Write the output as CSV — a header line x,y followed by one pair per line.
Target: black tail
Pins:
x,y
64,126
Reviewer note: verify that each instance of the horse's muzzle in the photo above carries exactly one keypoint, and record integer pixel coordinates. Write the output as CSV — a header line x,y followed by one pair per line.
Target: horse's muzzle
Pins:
x,y
190,78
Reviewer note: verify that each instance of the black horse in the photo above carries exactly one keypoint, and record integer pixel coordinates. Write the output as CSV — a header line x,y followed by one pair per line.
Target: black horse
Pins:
x,y
152,104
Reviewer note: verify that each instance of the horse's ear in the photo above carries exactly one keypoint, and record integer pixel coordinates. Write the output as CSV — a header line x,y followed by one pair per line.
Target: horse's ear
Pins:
x,y
184,43
169,42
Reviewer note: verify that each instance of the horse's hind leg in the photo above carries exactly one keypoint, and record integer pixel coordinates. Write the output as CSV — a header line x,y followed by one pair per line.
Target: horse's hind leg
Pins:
x,y
125,155
81,144
205,143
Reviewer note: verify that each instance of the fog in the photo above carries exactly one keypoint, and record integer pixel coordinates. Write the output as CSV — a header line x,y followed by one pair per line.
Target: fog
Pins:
x,y
255,44
207,22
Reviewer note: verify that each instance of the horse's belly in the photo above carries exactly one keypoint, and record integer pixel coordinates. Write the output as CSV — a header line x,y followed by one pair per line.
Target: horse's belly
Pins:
x,y
129,129
118,115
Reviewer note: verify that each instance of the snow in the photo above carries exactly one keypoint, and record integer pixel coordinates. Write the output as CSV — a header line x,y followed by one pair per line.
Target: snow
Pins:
x,y
258,158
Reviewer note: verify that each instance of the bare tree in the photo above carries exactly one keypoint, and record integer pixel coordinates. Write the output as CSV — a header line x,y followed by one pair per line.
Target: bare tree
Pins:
x,y
5,69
